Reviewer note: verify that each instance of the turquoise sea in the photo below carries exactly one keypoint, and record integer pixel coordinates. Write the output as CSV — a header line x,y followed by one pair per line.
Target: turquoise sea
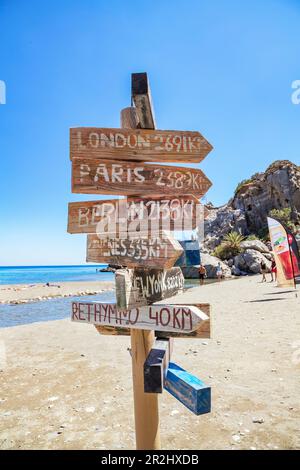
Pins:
x,y
44,274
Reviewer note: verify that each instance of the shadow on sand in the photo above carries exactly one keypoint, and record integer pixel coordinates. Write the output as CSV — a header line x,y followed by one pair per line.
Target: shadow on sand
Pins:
x,y
264,300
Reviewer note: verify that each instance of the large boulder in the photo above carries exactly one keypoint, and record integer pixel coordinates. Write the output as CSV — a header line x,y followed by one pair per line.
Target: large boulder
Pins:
x,y
219,222
211,262
257,245
250,261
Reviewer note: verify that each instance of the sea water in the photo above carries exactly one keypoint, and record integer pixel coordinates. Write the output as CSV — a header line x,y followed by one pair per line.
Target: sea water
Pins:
x,y
52,274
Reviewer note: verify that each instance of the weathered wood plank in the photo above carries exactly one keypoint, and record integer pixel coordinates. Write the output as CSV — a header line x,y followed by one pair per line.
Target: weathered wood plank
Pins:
x,y
202,332
188,389
120,216
140,286
139,248
156,365
154,317
141,96
130,178
138,145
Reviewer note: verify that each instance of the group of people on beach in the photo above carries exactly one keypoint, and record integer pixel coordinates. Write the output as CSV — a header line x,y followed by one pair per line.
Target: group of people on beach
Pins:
x,y
219,272
203,273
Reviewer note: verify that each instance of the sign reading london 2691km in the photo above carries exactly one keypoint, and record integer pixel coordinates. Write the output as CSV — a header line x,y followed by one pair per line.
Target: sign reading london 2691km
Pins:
x,y
138,144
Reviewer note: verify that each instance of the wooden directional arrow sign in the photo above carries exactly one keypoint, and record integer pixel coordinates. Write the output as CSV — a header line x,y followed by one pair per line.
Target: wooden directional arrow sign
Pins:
x,y
140,286
117,216
159,250
156,365
130,178
188,389
175,318
203,330
138,145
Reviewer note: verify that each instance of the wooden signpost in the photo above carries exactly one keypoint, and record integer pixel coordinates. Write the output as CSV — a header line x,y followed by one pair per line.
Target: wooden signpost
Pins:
x,y
156,365
202,332
137,145
132,214
160,317
93,176
188,389
140,286
160,250
135,233
141,97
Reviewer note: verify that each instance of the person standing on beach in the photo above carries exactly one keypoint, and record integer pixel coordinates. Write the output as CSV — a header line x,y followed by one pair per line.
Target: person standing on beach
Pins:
x,y
219,272
202,274
273,271
263,270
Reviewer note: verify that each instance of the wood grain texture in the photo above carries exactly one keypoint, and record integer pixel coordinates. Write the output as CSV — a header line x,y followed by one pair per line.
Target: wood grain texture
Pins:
x,y
122,216
158,250
137,145
156,365
129,178
202,332
129,118
188,389
140,286
163,317
141,97
146,412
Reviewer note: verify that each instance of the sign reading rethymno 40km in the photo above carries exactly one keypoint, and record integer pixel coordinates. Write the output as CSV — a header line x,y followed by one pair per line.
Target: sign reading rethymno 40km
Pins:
x,y
177,318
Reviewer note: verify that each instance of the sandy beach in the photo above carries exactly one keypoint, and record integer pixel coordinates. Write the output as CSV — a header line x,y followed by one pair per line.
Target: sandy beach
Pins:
x,y
63,386
23,293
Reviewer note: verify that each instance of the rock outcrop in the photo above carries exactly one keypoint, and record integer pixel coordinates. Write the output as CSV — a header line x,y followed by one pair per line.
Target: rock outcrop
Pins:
x,y
277,188
250,262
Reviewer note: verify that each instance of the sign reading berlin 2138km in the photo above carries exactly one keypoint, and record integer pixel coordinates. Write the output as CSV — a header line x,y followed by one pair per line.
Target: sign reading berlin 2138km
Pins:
x,y
120,216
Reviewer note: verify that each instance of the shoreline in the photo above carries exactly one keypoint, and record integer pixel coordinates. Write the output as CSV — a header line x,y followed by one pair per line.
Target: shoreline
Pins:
x,y
15,294
25,293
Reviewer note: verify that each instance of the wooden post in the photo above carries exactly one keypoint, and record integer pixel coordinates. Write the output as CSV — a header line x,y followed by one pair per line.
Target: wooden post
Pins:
x,y
145,404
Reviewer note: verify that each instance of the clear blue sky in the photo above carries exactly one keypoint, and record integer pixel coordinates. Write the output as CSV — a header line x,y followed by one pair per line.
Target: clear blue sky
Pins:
x,y
224,68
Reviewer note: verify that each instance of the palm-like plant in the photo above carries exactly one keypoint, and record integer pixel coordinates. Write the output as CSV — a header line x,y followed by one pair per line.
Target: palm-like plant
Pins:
x,y
233,241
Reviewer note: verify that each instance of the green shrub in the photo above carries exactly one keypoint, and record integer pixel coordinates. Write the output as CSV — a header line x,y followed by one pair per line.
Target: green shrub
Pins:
x,y
263,234
252,237
230,246
241,184
285,217
222,252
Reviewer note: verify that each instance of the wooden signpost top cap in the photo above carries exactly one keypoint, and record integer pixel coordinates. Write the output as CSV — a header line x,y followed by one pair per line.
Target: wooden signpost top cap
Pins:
x,y
141,97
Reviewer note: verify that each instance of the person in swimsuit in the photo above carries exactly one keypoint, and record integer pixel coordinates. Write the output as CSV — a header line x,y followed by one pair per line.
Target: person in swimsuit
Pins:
x,y
202,274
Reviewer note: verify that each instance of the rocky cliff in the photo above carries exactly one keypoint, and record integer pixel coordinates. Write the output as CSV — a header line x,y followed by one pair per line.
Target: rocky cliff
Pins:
x,y
278,187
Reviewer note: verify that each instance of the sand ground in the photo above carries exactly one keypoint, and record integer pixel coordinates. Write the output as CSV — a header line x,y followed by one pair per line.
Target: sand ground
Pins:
x,y
63,386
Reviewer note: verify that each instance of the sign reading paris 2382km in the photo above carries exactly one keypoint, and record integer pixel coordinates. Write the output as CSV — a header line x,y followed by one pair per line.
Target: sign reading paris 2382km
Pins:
x,y
138,145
